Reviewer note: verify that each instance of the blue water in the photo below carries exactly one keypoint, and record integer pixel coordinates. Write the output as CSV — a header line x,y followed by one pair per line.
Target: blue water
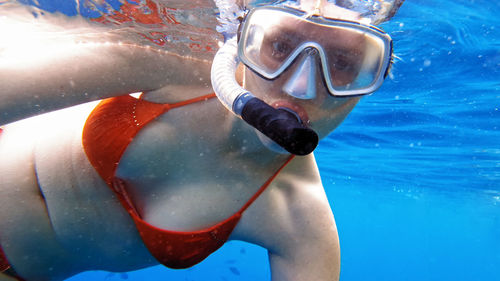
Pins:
x,y
413,174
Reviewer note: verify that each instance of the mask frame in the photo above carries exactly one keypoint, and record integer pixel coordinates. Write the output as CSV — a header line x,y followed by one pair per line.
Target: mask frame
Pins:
x,y
384,55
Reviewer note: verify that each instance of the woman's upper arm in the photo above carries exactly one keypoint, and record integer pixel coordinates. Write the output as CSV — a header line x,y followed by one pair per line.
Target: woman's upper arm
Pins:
x,y
69,62
87,73
293,220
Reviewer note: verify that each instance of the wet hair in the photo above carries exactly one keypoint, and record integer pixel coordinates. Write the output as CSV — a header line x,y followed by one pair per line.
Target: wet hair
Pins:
x,y
371,11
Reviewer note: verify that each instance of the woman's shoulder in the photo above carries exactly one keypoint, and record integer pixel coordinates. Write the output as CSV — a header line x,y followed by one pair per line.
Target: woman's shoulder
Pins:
x,y
294,200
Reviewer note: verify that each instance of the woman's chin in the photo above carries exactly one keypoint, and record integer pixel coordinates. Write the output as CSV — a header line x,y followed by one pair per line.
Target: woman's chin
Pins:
x,y
270,144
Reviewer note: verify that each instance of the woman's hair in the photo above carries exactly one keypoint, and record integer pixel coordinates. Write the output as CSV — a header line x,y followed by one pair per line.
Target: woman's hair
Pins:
x,y
371,11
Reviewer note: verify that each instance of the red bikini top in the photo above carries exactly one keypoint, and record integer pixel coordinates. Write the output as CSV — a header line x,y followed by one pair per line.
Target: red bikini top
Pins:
x,y
108,131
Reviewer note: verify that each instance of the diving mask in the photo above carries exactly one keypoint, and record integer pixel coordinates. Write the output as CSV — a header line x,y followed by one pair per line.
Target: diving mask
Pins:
x,y
354,58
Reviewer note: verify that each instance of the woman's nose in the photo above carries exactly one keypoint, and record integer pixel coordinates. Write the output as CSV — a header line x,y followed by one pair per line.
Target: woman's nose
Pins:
x,y
302,83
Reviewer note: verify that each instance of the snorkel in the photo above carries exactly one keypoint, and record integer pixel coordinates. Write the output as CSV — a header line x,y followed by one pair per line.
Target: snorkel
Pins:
x,y
280,125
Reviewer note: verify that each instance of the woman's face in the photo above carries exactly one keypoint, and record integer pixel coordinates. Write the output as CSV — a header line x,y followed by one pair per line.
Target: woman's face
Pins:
x,y
321,111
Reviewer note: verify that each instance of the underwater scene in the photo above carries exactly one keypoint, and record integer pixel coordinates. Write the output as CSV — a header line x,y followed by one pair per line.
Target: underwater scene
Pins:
x,y
412,175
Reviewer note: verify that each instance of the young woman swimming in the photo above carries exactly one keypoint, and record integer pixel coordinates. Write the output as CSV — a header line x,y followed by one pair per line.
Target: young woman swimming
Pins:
x,y
170,176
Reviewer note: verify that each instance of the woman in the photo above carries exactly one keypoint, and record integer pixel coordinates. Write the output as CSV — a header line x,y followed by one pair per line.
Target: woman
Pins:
x,y
171,176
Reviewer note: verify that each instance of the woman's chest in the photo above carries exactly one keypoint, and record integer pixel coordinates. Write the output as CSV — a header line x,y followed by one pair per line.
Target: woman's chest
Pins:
x,y
186,171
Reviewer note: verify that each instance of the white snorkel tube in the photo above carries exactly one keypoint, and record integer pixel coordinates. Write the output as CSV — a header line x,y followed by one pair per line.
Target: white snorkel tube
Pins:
x,y
224,83
279,125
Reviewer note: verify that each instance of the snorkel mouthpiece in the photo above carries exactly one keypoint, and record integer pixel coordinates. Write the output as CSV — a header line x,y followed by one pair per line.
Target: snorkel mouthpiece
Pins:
x,y
279,125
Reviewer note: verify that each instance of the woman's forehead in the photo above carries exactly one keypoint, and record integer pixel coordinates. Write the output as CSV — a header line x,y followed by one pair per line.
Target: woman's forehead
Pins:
x,y
322,7
372,11
336,12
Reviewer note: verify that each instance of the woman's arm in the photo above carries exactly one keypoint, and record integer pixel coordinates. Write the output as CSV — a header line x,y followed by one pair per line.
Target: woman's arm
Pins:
x,y
293,220
87,73
54,62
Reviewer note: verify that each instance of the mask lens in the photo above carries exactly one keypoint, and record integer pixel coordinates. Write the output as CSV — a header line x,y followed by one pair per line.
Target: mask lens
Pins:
x,y
267,44
355,59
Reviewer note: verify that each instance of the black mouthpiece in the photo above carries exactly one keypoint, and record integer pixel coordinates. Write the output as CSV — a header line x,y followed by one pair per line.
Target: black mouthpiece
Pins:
x,y
281,126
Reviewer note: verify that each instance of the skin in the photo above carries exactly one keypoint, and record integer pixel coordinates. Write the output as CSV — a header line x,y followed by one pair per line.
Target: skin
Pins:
x,y
169,170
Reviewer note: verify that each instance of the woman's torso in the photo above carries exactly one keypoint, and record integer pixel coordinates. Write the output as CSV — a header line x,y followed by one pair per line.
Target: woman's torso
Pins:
x,y
189,169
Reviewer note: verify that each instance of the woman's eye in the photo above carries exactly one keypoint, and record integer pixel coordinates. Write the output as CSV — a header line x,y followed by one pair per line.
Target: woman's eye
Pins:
x,y
341,63
346,61
280,50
